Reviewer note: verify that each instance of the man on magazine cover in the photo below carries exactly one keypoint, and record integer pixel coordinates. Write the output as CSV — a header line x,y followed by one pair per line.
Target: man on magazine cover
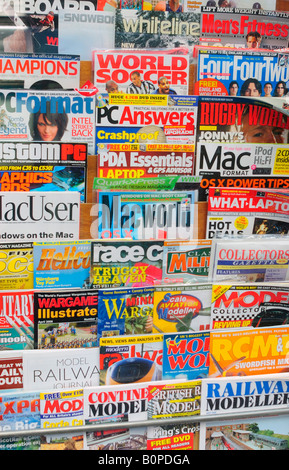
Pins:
x,y
253,40
139,86
164,87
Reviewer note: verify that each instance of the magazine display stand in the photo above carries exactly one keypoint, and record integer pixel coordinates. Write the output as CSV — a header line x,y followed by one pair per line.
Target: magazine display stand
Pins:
x,y
52,305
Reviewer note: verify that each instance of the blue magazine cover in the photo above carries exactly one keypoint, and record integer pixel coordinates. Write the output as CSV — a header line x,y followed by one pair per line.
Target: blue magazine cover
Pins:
x,y
186,355
61,264
19,411
144,215
252,73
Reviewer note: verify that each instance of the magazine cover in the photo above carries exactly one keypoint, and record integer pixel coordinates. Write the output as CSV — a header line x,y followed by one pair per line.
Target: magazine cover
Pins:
x,y
236,165
186,261
94,30
186,355
60,369
247,212
140,162
126,263
156,29
144,215
190,5
226,395
20,443
255,305
33,26
134,438
148,119
37,215
239,119
130,359
38,71
17,319
250,433
19,411
65,440
184,436
244,26
125,311
61,264
11,370
182,308
16,265
250,259
116,403
65,319
258,351
61,408
241,73
174,399
46,116
141,72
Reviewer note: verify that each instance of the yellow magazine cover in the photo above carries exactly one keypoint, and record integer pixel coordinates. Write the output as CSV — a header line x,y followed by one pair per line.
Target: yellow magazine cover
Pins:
x,y
253,351
16,266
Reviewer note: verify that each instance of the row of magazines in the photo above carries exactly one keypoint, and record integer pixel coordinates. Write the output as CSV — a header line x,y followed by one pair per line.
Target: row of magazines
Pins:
x,y
184,110
217,413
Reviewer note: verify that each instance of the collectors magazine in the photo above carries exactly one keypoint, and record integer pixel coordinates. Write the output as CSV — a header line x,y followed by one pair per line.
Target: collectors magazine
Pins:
x,y
250,259
255,305
61,264
125,311
182,308
184,436
247,212
16,266
130,359
65,319
130,263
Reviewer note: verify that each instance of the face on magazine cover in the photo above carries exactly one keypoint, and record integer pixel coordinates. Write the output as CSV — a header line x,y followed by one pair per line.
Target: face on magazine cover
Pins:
x,y
263,134
48,127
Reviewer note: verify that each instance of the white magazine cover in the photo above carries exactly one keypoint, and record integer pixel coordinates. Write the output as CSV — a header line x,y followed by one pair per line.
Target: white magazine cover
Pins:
x,y
37,216
60,369
247,211
250,259
224,395
82,32
141,71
